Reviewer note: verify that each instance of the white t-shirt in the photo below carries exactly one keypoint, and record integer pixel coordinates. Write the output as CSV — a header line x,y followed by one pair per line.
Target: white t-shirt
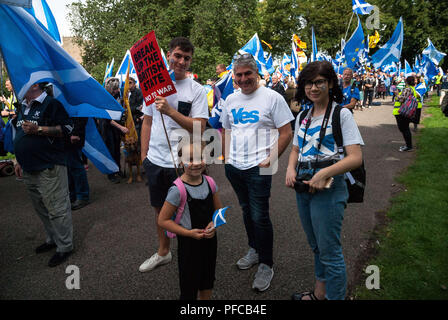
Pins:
x,y
188,91
328,149
253,119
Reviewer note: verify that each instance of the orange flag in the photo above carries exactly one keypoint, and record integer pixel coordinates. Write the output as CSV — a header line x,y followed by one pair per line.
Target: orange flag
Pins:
x,y
132,134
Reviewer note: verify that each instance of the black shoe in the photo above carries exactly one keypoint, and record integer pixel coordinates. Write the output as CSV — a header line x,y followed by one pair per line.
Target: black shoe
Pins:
x,y
45,247
58,258
115,178
80,203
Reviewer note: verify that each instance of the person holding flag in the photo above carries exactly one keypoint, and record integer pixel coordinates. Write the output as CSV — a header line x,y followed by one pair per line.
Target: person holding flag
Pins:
x,y
42,124
180,111
196,232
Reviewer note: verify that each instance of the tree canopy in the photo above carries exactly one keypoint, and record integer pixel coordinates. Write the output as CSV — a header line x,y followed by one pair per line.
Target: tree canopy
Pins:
x,y
218,28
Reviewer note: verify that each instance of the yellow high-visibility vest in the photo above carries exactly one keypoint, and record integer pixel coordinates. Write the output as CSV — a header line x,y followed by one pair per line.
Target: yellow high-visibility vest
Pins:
x,y
397,104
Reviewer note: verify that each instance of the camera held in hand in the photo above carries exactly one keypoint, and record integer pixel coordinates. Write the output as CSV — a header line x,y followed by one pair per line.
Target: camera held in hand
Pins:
x,y
299,186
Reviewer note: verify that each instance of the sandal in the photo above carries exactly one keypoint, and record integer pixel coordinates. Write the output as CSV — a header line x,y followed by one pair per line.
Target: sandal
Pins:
x,y
299,296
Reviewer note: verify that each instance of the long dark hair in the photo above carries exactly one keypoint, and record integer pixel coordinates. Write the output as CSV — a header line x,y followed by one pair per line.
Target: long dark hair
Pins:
x,y
311,71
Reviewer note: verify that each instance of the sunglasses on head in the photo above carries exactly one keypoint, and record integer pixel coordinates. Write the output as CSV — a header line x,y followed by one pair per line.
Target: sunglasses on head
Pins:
x,y
244,56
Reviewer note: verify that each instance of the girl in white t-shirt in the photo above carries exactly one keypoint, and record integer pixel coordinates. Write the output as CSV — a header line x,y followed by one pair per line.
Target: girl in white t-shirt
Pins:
x,y
321,191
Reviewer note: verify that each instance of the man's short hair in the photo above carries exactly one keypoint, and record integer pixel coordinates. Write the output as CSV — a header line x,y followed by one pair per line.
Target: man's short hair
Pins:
x,y
183,43
222,66
112,84
245,60
132,79
349,69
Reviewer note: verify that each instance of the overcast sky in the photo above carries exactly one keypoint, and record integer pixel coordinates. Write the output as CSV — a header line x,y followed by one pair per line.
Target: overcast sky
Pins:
x,y
60,12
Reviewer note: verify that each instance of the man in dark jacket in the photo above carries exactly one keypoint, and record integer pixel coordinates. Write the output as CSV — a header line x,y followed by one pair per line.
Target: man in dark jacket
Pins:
x,y
41,126
277,86
136,103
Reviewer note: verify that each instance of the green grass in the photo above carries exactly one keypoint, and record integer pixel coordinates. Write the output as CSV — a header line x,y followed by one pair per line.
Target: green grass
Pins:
x,y
412,254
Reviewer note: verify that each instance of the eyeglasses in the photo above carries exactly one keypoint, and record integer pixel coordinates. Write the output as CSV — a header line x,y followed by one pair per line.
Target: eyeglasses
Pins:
x,y
318,83
244,56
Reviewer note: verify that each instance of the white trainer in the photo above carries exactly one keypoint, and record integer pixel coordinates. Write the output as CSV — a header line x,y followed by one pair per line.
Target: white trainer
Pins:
x,y
155,261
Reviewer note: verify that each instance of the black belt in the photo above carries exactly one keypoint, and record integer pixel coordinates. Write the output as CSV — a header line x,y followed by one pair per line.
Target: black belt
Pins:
x,y
314,165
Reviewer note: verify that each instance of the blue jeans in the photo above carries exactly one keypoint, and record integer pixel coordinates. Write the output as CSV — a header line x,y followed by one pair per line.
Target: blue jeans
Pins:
x,y
253,191
321,215
77,176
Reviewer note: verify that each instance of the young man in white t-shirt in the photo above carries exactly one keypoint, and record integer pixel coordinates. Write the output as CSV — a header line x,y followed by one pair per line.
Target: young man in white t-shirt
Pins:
x,y
180,111
258,119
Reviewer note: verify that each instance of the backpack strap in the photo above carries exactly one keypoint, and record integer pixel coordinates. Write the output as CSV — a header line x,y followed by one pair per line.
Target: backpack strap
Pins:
x,y
337,135
183,200
211,183
302,116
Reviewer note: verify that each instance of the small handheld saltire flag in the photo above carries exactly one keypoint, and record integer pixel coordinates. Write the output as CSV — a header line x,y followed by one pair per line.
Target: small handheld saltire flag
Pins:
x,y
373,40
295,67
219,217
223,88
314,46
391,51
132,134
421,88
361,7
355,46
31,55
433,54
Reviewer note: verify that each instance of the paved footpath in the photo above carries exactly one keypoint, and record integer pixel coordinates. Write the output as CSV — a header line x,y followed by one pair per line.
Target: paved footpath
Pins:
x,y
116,233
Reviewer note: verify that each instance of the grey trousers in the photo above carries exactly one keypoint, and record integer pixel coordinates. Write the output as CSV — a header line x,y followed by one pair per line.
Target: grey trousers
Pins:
x,y
49,194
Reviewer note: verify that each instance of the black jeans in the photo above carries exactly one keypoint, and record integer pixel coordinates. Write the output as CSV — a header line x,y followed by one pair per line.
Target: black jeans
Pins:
x,y
403,126
369,94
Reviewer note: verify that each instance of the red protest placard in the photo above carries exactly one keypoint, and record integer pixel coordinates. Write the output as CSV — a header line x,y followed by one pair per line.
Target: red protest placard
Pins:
x,y
151,70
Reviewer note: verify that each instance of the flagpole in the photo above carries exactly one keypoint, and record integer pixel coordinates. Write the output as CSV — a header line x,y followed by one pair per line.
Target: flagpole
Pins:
x,y
345,38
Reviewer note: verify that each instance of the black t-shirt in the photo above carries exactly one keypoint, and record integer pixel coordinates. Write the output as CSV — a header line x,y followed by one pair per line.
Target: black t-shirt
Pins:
x,y
37,153
370,80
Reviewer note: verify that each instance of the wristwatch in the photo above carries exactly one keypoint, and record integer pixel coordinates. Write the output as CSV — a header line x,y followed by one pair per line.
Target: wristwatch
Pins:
x,y
39,130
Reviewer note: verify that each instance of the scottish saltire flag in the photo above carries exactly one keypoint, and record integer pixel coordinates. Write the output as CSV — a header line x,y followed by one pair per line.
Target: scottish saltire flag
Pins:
x,y
96,150
433,54
390,68
428,68
361,7
219,217
42,12
323,57
223,88
416,67
32,56
314,46
355,46
253,46
421,88
407,69
122,69
391,51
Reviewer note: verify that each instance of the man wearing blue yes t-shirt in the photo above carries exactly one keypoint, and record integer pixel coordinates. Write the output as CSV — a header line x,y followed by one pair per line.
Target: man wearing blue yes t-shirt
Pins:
x,y
41,124
350,93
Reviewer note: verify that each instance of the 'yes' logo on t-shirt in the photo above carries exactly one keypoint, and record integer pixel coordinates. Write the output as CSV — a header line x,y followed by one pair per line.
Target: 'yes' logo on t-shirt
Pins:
x,y
244,116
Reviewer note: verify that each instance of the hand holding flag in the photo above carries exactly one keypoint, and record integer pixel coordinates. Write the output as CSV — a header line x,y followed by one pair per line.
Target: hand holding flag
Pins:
x,y
219,217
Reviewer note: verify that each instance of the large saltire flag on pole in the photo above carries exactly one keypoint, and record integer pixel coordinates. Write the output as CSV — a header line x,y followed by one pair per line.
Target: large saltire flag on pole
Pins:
x,y
361,7
31,56
433,54
132,134
42,12
391,51
407,68
295,67
355,46
253,46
